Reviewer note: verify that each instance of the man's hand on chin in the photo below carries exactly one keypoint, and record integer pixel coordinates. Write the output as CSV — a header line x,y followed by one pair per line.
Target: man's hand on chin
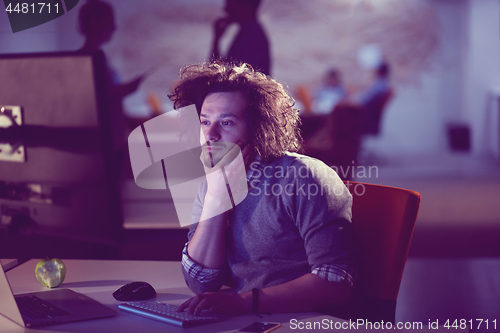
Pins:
x,y
227,185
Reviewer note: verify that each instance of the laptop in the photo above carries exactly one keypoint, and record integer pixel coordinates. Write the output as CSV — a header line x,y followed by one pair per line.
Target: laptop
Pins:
x,y
49,307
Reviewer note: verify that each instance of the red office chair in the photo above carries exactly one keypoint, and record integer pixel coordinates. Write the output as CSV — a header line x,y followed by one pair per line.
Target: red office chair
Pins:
x,y
383,218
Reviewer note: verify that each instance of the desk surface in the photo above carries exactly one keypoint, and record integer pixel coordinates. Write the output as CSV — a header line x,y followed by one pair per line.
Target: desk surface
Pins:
x,y
99,279
8,263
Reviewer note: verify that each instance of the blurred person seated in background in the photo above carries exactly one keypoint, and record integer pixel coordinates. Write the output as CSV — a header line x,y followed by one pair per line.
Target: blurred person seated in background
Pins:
x,y
250,45
326,97
374,98
284,247
337,139
329,94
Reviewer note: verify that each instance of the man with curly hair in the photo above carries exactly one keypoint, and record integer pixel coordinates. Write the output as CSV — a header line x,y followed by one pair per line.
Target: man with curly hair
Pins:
x,y
288,246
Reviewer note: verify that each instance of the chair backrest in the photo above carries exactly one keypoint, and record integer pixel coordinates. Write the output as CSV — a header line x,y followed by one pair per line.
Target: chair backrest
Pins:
x,y
383,218
374,110
346,129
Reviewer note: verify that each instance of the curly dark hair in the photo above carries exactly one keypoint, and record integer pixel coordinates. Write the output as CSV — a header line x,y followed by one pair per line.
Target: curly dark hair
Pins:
x,y
273,119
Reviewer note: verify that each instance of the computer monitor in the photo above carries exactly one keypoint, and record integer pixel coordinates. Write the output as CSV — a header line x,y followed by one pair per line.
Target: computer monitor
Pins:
x,y
58,160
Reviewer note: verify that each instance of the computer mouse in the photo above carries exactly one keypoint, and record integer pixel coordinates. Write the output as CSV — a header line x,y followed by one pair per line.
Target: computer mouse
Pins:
x,y
135,291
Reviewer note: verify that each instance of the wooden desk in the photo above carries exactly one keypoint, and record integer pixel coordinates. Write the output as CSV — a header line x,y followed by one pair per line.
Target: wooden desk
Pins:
x,y
99,279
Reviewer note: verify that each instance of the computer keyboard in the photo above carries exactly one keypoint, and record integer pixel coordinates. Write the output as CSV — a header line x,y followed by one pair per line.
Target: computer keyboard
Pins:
x,y
167,313
35,308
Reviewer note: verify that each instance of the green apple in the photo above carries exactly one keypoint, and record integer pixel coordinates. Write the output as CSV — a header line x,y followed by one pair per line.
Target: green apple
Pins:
x,y
50,273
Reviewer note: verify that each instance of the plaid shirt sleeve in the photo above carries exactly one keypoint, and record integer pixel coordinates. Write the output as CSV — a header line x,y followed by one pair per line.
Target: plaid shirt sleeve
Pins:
x,y
336,273
195,270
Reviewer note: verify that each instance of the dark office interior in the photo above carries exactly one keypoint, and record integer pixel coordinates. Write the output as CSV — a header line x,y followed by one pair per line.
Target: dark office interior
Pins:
x,y
438,132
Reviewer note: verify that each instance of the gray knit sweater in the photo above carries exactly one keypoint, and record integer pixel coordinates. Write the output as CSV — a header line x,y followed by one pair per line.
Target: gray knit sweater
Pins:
x,y
296,219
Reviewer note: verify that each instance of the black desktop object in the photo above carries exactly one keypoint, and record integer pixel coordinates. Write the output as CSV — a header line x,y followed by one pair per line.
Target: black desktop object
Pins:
x,y
59,193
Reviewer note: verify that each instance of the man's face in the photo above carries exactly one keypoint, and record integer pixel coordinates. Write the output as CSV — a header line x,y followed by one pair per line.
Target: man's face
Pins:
x,y
223,124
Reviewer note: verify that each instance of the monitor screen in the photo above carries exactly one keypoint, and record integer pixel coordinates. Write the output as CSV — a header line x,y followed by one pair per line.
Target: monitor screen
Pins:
x,y
58,162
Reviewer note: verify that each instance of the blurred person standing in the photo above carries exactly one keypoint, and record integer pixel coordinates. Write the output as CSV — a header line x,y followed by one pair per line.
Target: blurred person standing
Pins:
x,y
250,44
96,22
